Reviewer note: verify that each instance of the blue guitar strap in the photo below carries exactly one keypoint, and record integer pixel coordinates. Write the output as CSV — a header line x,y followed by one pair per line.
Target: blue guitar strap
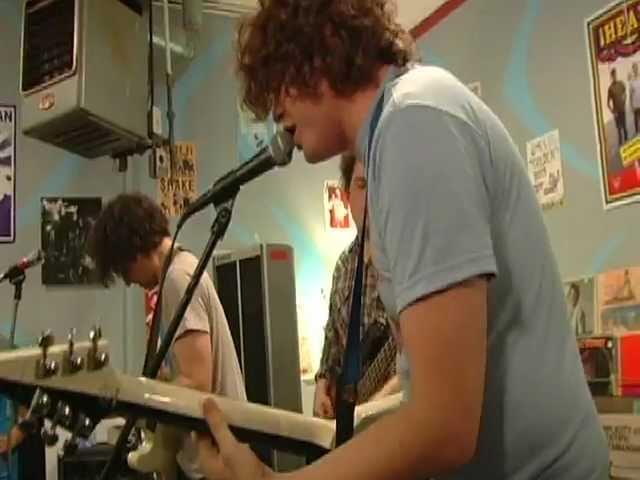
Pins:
x,y
352,359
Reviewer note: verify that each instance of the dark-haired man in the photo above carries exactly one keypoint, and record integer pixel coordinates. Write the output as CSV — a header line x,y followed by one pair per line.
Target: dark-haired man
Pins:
x,y
379,347
131,240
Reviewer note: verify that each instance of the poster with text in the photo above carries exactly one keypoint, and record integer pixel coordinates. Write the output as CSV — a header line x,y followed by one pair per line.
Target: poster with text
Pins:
x,y
581,305
613,36
337,216
545,168
178,187
619,300
7,173
64,228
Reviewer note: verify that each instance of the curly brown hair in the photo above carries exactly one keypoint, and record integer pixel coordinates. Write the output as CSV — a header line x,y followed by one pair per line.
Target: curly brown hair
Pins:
x,y
131,224
294,44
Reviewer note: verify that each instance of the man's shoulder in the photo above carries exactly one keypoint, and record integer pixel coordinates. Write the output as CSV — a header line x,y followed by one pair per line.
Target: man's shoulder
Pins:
x,y
438,94
428,86
183,266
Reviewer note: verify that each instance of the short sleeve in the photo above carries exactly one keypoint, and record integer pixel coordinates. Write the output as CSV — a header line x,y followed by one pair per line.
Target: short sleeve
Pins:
x,y
431,201
196,317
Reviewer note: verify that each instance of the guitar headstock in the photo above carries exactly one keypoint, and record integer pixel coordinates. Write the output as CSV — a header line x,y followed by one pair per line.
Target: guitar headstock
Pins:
x,y
71,383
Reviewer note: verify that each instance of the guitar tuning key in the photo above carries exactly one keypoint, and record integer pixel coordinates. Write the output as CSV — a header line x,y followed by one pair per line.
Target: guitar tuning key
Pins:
x,y
82,429
62,417
39,408
96,359
95,334
40,404
71,363
46,367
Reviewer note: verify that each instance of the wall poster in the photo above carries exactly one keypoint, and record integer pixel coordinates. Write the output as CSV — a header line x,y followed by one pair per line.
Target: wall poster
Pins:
x,y
613,37
7,173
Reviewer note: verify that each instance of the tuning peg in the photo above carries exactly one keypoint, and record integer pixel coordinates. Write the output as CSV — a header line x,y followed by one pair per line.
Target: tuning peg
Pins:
x,y
40,404
95,359
82,429
46,367
63,417
46,339
95,334
71,363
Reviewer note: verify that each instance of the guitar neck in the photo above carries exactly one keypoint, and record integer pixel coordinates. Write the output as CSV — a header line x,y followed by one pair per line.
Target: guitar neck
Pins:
x,y
281,440
380,367
100,391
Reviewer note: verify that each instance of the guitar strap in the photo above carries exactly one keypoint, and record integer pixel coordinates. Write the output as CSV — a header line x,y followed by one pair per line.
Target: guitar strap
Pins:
x,y
347,394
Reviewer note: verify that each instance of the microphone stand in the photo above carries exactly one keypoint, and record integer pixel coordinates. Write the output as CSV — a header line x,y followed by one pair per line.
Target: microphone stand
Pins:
x,y
218,229
17,281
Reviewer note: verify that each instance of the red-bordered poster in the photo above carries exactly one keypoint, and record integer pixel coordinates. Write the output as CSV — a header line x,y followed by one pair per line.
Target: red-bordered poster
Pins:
x,y
337,216
613,37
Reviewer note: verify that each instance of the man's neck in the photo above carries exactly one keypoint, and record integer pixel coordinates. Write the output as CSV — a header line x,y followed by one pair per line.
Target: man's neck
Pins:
x,y
162,252
358,106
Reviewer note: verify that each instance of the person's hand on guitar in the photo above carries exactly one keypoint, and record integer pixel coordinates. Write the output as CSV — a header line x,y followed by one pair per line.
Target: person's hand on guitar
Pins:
x,y
324,400
224,457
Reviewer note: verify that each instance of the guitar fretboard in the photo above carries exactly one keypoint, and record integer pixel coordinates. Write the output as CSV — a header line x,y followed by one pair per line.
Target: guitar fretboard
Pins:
x,y
379,371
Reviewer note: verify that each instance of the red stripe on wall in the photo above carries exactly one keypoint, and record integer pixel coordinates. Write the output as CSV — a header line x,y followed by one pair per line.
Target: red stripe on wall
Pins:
x,y
439,14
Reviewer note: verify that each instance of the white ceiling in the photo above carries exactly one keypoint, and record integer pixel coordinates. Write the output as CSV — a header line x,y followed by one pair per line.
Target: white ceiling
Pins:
x,y
410,12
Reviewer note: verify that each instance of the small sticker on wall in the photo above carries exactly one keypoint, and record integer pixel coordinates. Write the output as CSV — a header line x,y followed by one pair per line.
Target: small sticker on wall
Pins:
x,y
545,169
337,216
580,295
178,187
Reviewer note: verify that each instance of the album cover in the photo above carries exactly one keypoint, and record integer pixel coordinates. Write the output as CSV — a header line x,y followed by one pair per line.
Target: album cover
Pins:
x,y
65,226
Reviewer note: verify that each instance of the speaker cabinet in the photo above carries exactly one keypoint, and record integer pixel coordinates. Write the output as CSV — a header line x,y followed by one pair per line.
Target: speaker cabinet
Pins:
x,y
256,287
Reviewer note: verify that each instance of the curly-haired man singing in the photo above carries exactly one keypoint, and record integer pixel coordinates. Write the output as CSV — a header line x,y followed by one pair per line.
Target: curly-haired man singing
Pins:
x,y
493,380
131,240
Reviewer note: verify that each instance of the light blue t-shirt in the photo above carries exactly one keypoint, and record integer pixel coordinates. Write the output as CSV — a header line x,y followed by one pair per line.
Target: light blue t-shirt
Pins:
x,y
449,199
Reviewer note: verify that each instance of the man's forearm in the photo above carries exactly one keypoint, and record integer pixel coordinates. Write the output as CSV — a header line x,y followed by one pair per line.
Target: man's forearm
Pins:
x,y
411,440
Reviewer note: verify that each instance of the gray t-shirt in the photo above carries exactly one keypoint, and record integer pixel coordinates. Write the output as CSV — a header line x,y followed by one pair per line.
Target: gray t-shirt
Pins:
x,y
204,314
449,199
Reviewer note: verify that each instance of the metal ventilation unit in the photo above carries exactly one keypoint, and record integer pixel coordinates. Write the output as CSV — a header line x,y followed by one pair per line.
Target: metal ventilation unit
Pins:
x,y
83,75
232,8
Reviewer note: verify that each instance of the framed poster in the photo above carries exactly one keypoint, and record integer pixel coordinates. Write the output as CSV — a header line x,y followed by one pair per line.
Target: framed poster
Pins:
x,y
619,300
7,173
64,228
613,38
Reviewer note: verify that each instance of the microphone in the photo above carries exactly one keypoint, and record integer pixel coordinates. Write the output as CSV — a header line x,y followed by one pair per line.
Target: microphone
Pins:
x,y
277,154
31,260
